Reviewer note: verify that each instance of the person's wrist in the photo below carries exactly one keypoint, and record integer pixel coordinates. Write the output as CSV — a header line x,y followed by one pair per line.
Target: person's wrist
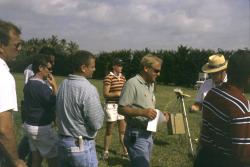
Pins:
x,y
19,163
143,113
54,86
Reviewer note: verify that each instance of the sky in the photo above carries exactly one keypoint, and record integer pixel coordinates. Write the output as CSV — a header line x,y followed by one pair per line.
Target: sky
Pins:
x,y
107,25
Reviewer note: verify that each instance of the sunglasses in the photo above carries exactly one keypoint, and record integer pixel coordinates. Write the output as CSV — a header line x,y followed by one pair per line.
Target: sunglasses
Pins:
x,y
18,46
49,68
156,70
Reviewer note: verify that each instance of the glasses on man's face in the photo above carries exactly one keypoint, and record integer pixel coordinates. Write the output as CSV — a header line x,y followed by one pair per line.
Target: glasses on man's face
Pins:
x,y
18,46
156,70
49,68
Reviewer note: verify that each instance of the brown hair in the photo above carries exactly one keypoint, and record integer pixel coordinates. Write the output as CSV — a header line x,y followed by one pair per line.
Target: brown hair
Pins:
x,y
148,60
5,28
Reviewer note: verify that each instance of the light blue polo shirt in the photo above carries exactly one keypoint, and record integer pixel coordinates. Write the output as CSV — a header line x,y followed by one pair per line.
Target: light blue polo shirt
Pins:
x,y
79,110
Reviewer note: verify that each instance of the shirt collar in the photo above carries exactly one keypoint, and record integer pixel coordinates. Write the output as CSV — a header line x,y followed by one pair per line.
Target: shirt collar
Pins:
x,y
225,79
76,77
231,87
3,64
111,73
38,79
141,80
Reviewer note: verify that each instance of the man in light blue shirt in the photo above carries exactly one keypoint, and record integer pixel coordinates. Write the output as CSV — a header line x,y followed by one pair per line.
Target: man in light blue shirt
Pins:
x,y
79,114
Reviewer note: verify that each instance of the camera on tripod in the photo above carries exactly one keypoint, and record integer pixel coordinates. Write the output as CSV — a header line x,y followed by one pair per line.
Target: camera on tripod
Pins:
x,y
180,94
177,122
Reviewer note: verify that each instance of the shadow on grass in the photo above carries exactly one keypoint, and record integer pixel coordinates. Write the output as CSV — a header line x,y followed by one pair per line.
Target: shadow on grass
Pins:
x,y
99,149
160,142
114,158
114,161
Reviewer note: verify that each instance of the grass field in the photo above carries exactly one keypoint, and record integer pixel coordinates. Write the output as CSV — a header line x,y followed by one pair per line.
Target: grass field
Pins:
x,y
168,151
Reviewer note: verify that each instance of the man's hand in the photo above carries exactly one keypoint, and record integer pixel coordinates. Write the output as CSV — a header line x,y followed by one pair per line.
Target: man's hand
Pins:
x,y
167,116
51,80
20,163
52,83
7,134
196,107
149,113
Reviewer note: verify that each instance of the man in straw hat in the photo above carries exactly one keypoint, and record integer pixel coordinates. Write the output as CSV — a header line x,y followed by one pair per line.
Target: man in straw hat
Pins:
x,y
216,68
225,135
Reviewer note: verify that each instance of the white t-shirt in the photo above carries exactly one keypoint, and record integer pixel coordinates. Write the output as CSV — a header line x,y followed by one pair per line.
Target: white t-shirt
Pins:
x,y
205,87
28,73
8,98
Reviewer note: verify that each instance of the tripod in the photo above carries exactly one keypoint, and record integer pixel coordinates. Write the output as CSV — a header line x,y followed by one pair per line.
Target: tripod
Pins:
x,y
180,97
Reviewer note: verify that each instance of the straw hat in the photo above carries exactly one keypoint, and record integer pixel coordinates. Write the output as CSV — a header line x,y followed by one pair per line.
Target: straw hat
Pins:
x,y
215,63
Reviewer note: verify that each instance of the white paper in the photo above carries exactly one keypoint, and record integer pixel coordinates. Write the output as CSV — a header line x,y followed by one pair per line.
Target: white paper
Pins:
x,y
162,118
152,124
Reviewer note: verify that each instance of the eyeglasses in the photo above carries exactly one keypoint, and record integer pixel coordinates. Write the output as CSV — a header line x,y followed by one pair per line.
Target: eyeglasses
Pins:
x,y
18,46
156,70
49,68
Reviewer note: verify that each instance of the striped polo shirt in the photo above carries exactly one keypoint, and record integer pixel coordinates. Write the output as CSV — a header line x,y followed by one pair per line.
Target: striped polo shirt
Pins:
x,y
116,84
226,122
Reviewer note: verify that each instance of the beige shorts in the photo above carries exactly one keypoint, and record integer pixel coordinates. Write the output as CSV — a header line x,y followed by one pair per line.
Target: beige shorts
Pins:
x,y
42,139
112,113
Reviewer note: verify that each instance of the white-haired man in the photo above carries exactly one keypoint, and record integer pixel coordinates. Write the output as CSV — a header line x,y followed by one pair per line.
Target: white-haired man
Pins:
x,y
216,69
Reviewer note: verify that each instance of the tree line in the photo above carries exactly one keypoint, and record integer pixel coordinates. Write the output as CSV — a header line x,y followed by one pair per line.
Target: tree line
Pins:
x,y
180,67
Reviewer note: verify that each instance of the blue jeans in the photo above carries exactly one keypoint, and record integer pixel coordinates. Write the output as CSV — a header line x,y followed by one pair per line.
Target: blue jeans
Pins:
x,y
139,144
68,156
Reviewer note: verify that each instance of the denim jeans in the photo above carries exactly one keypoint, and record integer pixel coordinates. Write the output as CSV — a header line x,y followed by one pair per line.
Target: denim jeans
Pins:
x,y
69,157
139,144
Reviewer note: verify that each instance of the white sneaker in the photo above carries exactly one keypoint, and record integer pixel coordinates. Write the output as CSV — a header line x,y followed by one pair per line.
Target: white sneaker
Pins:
x,y
105,155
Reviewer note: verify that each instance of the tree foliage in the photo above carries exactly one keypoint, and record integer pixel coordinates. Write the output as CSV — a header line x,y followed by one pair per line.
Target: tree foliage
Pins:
x,y
180,67
31,47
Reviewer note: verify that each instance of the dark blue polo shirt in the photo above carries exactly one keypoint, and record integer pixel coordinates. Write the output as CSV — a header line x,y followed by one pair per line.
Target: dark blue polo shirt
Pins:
x,y
39,103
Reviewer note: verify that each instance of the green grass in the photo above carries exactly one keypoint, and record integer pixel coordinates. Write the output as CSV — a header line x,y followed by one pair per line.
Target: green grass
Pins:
x,y
169,150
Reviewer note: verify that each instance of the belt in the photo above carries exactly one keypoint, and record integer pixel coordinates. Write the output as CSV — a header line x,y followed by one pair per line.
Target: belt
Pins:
x,y
37,124
84,138
140,128
112,102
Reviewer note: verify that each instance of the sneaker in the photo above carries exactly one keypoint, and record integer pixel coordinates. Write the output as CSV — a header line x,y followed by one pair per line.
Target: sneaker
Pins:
x,y
105,155
125,156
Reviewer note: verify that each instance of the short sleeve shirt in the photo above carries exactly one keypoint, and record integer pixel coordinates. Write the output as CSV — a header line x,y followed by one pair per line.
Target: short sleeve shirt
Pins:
x,y
8,99
116,83
28,73
137,94
205,87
